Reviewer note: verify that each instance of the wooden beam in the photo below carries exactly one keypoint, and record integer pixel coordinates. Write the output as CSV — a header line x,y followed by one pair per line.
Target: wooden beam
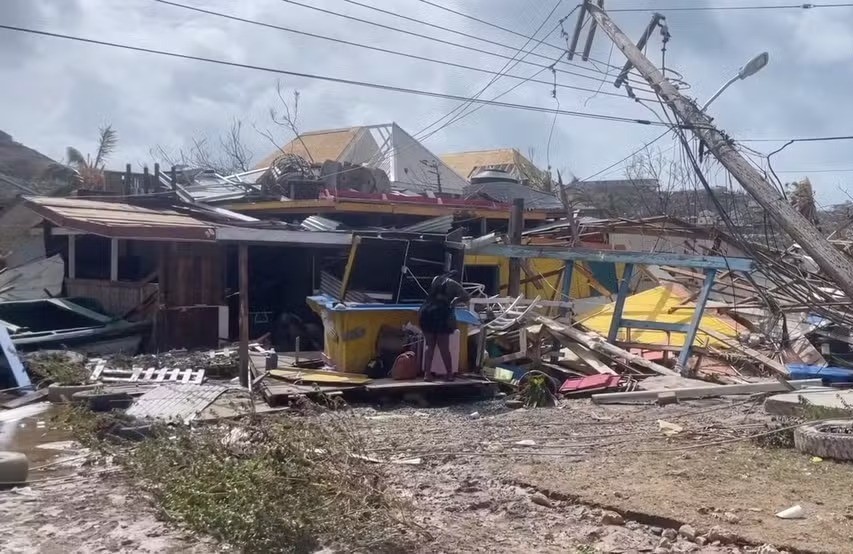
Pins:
x,y
597,343
113,259
72,257
516,226
743,349
681,365
709,391
615,256
624,289
243,263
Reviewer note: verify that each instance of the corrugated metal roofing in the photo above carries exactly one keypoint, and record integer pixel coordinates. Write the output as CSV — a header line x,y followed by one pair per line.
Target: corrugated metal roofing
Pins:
x,y
439,225
120,220
505,192
614,184
318,223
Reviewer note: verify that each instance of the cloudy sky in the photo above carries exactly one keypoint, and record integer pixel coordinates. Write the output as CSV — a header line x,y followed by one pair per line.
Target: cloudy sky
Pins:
x,y
56,93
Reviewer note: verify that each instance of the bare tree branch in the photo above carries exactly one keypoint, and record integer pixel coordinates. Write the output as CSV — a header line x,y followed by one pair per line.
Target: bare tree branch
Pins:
x,y
226,155
289,118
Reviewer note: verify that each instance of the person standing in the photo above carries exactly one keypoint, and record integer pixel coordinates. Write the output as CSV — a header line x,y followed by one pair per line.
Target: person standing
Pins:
x,y
437,319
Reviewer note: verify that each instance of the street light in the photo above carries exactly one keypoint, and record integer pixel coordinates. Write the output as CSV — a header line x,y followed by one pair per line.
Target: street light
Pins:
x,y
752,67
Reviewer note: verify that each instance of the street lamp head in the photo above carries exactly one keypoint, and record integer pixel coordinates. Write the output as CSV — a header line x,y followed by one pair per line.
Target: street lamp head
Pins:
x,y
754,65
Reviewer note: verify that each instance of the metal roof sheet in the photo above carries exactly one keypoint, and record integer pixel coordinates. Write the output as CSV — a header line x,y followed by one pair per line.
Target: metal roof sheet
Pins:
x,y
505,192
120,220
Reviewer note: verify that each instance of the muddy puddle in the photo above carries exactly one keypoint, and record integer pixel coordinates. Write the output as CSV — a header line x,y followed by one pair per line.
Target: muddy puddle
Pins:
x,y
28,430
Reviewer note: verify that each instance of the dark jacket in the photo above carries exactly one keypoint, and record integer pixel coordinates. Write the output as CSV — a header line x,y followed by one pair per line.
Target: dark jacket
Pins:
x,y
437,314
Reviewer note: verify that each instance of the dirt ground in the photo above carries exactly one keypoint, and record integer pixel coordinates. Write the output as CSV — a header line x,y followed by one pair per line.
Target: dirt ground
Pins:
x,y
91,510
482,478
481,465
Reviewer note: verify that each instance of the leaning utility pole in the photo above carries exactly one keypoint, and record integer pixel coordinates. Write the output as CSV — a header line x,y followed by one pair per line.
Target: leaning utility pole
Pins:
x,y
835,264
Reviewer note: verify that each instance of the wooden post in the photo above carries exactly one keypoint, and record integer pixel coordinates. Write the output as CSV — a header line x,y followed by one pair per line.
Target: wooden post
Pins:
x,y
173,178
568,274
156,177
72,257
624,289
516,226
831,260
690,338
160,330
243,263
128,179
146,180
113,259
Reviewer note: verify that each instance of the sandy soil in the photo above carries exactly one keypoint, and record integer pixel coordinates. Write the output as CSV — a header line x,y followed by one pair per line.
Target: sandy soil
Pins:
x,y
482,478
614,458
88,511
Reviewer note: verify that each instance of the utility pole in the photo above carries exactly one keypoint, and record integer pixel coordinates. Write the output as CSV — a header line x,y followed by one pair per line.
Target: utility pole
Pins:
x,y
835,264
433,164
516,227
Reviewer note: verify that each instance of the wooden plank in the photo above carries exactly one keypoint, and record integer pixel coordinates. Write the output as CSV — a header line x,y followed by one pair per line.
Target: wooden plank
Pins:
x,y
743,349
615,256
100,365
149,373
188,373
28,398
161,375
174,376
243,281
597,343
198,377
136,372
589,358
705,392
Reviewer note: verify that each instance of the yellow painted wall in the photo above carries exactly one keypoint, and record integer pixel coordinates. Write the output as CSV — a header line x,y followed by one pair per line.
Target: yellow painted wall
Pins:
x,y
661,305
350,336
580,287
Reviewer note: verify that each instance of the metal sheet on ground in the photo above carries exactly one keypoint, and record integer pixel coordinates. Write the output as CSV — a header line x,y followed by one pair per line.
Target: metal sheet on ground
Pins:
x,y
181,402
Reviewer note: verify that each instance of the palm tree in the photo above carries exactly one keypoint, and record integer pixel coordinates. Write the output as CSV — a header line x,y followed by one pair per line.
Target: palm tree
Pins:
x,y
90,171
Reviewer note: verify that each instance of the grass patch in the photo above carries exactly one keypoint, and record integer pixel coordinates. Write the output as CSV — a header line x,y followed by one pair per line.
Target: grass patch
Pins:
x,y
291,484
58,368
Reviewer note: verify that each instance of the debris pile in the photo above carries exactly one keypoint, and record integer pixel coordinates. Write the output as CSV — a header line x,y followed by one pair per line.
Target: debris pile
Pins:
x,y
715,309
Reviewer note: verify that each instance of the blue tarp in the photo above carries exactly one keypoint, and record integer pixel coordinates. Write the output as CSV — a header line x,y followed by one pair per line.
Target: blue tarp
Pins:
x,y
827,374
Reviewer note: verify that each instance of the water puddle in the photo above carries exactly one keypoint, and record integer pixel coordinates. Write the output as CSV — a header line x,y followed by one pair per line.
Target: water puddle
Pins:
x,y
28,430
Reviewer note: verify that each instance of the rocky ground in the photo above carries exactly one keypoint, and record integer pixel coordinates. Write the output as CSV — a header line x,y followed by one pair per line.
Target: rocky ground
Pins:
x,y
611,479
91,510
482,478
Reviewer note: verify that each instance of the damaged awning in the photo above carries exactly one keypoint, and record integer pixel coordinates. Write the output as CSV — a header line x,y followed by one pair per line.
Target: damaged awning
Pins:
x,y
121,220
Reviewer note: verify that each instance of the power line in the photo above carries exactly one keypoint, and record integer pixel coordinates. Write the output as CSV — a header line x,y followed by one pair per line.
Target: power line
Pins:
x,y
506,68
440,27
420,136
799,139
484,22
522,35
840,170
370,47
806,6
628,157
391,88
439,40
469,35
